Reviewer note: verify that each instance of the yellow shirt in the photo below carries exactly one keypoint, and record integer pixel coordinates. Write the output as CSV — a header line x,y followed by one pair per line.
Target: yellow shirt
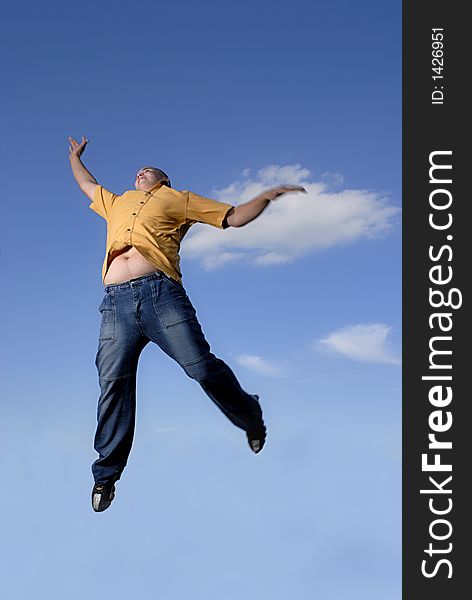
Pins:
x,y
154,222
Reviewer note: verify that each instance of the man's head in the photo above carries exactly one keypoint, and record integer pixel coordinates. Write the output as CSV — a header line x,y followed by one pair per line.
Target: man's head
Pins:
x,y
147,177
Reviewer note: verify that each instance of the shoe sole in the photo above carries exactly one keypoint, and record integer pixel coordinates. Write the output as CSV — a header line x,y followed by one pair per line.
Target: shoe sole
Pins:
x,y
259,437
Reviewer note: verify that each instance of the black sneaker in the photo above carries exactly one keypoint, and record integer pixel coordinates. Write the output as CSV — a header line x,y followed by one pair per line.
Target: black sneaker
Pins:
x,y
102,495
257,438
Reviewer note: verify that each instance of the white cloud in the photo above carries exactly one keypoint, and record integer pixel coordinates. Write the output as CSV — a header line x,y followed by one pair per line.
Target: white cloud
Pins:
x,y
364,342
332,179
272,258
213,261
293,226
258,365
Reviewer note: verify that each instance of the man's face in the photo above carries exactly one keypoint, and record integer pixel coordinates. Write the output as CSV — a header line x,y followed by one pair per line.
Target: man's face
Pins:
x,y
146,178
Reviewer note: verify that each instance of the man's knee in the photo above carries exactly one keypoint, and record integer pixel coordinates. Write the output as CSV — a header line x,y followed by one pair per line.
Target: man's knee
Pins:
x,y
204,369
114,365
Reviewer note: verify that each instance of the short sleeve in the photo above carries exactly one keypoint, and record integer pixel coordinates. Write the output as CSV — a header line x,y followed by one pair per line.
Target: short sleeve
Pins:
x,y
204,210
102,201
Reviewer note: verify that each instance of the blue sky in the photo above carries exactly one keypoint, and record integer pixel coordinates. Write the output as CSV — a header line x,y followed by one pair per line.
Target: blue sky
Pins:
x,y
304,303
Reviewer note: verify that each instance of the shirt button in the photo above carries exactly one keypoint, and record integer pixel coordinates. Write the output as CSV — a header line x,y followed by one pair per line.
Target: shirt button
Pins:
x,y
134,213
129,230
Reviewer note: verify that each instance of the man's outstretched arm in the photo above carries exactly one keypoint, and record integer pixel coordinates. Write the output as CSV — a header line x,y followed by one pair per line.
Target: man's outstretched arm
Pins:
x,y
247,212
84,178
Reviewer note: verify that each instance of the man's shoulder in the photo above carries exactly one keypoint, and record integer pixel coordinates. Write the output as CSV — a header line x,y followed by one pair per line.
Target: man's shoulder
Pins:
x,y
173,192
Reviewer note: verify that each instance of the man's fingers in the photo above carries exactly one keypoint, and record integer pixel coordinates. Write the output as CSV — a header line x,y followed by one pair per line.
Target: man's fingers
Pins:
x,y
75,144
296,188
285,189
290,188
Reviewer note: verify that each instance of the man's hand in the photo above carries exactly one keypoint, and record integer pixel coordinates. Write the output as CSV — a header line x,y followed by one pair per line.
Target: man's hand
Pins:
x,y
75,148
84,178
274,193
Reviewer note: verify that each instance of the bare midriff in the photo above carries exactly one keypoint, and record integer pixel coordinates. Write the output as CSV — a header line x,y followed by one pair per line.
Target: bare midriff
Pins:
x,y
127,263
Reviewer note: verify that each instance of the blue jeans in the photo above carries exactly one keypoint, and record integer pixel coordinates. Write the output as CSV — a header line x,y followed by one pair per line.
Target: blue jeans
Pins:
x,y
154,308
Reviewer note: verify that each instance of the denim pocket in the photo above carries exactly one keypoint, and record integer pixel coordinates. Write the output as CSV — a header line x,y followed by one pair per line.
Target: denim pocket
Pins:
x,y
171,303
173,282
107,325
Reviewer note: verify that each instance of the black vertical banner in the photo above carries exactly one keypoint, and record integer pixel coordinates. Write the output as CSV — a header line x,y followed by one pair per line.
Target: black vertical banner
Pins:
x,y
437,359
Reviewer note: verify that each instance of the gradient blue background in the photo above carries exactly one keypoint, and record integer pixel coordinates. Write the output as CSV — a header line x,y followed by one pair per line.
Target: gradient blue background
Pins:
x,y
203,90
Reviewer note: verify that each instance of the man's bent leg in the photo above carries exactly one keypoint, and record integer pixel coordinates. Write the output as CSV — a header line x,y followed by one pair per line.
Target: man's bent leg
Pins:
x,y
221,385
171,322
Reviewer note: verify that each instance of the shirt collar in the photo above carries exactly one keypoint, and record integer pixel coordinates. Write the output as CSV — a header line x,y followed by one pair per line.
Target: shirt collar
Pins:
x,y
156,187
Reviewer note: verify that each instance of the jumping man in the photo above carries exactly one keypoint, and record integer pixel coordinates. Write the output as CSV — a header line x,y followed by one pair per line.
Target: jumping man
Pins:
x,y
145,302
